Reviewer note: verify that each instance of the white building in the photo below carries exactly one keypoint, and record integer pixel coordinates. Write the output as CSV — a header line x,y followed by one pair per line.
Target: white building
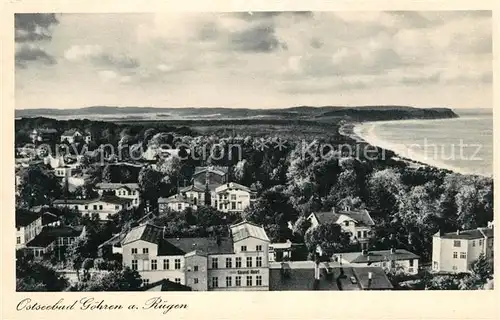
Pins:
x,y
239,263
232,197
357,222
195,193
456,251
73,135
121,190
177,202
103,206
29,225
389,260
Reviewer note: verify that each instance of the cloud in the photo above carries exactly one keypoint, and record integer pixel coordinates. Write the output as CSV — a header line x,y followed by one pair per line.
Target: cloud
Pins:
x,y
34,26
28,52
96,55
110,76
29,30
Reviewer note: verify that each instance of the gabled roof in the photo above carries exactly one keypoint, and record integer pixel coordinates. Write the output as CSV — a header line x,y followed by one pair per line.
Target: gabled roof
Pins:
x,y
71,132
50,234
115,240
214,169
247,229
107,185
360,216
165,285
194,187
26,218
472,234
378,256
177,246
231,185
378,281
175,199
48,218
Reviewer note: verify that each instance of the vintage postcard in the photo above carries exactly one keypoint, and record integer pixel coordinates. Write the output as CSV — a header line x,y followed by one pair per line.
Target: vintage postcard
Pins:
x,y
248,158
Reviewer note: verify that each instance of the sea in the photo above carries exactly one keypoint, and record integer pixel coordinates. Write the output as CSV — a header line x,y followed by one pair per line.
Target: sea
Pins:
x,y
463,144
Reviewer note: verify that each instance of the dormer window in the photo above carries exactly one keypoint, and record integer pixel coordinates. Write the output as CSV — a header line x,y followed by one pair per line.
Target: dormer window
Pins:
x,y
346,223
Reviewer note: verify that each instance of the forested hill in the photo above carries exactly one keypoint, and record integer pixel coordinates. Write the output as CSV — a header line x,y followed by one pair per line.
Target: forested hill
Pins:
x,y
322,113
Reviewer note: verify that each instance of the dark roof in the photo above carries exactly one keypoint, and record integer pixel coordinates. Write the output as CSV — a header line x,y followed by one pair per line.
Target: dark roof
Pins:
x,y
165,285
177,246
25,218
469,234
50,234
193,187
107,185
379,278
332,277
215,169
71,132
48,217
378,256
297,280
361,216
104,198
176,198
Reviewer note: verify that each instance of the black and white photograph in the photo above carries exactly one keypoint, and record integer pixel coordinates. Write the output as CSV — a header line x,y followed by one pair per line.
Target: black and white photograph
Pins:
x,y
253,151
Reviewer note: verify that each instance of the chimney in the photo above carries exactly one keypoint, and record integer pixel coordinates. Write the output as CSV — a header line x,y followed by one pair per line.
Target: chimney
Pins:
x,y
164,231
458,232
316,271
333,209
393,251
370,275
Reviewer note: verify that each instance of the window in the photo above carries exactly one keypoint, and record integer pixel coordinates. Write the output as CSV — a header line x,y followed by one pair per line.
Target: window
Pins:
x,y
359,234
233,197
239,205
177,280
480,242
229,263
238,262
455,255
238,281
134,250
65,241
456,243
100,207
233,205
95,207
249,281
258,262
76,207
346,223
18,241
463,255
195,268
473,243
435,265
215,263
166,264
258,248
179,206
117,207
220,206
365,234
134,264
145,250
177,263
258,280
393,264
154,265
229,281
195,280
145,282
243,248
249,262
220,196
411,262
410,269
215,282
86,207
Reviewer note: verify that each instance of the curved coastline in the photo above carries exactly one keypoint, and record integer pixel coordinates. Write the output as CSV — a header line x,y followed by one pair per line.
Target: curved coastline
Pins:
x,y
364,131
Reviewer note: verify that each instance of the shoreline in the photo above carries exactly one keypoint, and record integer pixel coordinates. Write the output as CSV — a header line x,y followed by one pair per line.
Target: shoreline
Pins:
x,y
414,160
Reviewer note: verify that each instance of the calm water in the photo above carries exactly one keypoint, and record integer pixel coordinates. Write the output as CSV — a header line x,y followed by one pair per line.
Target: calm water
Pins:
x,y
464,144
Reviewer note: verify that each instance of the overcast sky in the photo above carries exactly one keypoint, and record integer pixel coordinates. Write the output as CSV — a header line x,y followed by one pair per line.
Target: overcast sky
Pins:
x,y
254,60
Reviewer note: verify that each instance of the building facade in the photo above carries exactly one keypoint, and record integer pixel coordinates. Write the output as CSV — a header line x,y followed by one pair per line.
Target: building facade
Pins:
x,y
232,197
389,260
121,190
103,206
177,202
455,252
356,222
237,263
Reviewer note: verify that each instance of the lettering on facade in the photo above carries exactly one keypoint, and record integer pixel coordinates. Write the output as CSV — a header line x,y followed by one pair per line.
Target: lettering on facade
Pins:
x,y
245,272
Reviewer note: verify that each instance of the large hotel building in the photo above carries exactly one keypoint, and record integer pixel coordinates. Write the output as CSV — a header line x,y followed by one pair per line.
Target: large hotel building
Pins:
x,y
239,262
